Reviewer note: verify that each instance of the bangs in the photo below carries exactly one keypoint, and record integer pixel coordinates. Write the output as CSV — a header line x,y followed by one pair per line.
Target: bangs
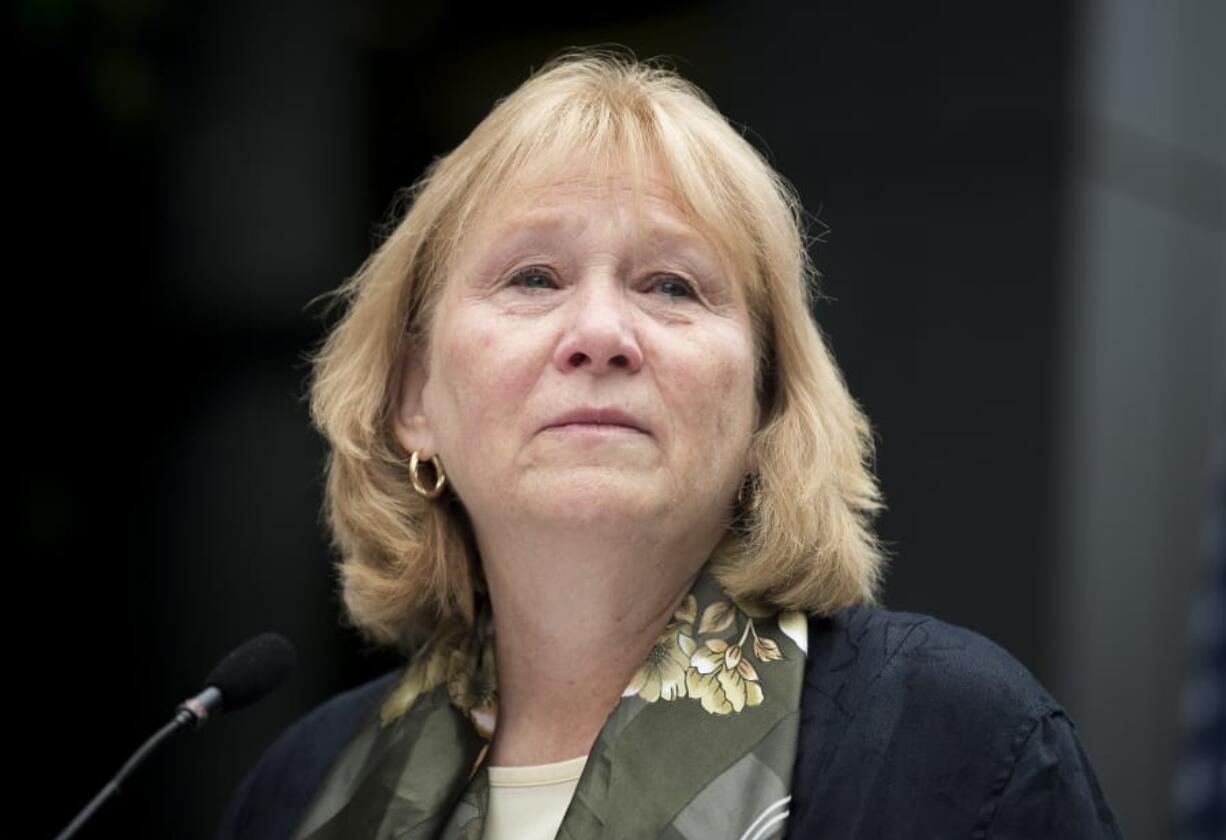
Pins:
x,y
609,135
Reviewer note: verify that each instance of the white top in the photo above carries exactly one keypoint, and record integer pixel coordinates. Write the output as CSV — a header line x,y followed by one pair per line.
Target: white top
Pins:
x,y
528,803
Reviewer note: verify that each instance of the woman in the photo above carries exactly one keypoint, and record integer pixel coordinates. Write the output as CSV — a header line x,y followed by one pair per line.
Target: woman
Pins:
x,y
592,461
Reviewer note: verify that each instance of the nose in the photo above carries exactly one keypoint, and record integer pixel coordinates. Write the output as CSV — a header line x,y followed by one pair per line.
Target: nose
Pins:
x,y
600,335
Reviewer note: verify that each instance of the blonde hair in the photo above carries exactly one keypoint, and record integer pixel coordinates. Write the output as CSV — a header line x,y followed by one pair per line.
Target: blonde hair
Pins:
x,y
802,539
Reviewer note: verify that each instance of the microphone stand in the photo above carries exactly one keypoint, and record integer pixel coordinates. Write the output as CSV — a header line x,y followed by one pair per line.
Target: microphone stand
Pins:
x,y
247,674
191,713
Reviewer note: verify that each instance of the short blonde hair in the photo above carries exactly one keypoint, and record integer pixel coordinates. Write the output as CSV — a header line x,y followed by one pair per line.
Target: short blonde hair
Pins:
x,y
802,538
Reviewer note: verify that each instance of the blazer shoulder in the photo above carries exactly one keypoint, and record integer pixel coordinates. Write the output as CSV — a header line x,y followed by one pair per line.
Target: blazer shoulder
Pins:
x,y
272,797
868,651
911,726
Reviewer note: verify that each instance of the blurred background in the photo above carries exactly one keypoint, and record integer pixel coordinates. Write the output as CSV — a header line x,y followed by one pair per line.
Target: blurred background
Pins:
x,y
1023,244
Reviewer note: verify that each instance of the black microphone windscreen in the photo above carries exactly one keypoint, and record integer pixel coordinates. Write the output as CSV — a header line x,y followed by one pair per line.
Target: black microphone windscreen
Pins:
x,y
251,670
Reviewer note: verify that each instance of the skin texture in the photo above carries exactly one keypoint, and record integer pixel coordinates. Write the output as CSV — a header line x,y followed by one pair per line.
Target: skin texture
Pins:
x,y
562,298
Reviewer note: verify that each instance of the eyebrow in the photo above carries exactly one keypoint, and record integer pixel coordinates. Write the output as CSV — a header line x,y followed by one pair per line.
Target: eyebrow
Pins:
x,y
663,232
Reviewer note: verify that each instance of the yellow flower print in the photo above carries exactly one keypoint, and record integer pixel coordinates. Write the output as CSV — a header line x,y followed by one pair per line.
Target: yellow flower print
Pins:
x,y
662,675
687,613
722,679
427,670
718,673
765,649
473,685
465,665
717,618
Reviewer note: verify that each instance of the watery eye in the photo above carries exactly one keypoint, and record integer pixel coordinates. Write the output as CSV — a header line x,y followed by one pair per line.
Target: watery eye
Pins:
x,y
533,277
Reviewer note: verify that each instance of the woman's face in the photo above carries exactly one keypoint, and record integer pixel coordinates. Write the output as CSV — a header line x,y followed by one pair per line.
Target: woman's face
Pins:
x,y
584,370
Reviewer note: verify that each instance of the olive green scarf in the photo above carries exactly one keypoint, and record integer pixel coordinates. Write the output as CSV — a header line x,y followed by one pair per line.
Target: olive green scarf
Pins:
x,y
701,743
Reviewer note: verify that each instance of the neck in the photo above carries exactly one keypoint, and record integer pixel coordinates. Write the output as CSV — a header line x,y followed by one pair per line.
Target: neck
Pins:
x,y
575,615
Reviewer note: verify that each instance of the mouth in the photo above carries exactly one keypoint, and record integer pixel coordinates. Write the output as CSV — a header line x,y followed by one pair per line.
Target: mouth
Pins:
x,y
599,420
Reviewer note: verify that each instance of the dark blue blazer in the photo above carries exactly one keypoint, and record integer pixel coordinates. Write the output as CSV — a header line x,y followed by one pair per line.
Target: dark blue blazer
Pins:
x,y
910,728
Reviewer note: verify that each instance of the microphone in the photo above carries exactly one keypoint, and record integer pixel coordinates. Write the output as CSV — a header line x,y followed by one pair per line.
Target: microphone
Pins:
x,y
246,675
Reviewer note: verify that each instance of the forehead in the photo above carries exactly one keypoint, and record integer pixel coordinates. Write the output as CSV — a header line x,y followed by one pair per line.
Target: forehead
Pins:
x,y
646,202
559,196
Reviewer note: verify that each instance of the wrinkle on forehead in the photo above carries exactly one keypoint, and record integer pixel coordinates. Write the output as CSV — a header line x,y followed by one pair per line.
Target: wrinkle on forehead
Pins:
x,y
659,214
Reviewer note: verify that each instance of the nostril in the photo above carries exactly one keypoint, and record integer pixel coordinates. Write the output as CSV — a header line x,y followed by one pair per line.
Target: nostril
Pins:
x,y
577,359
619,361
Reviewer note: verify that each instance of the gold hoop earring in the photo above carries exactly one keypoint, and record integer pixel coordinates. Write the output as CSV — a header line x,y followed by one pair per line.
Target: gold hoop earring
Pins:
x,y
440,477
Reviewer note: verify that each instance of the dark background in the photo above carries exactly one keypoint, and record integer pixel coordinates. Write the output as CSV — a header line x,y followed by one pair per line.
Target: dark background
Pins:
x,y
192,175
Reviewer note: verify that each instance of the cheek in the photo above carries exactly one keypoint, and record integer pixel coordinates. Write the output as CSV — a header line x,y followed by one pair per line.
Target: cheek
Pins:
x,y
713,389
735,382
480,379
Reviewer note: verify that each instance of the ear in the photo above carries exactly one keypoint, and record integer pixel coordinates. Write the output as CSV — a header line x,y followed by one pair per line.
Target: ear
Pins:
x,y
412,428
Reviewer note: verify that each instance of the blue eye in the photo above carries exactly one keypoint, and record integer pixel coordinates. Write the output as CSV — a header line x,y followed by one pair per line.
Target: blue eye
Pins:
x,y
673,286
533,277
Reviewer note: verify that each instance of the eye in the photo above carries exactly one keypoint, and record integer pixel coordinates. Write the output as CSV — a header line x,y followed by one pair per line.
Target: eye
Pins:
x,y
673,286
533,277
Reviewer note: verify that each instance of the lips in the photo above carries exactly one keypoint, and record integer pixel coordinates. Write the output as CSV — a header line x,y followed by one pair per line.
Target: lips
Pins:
x,y
599,417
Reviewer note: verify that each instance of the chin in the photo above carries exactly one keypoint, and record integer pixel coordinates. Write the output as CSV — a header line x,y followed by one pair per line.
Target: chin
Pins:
x,y
592,497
